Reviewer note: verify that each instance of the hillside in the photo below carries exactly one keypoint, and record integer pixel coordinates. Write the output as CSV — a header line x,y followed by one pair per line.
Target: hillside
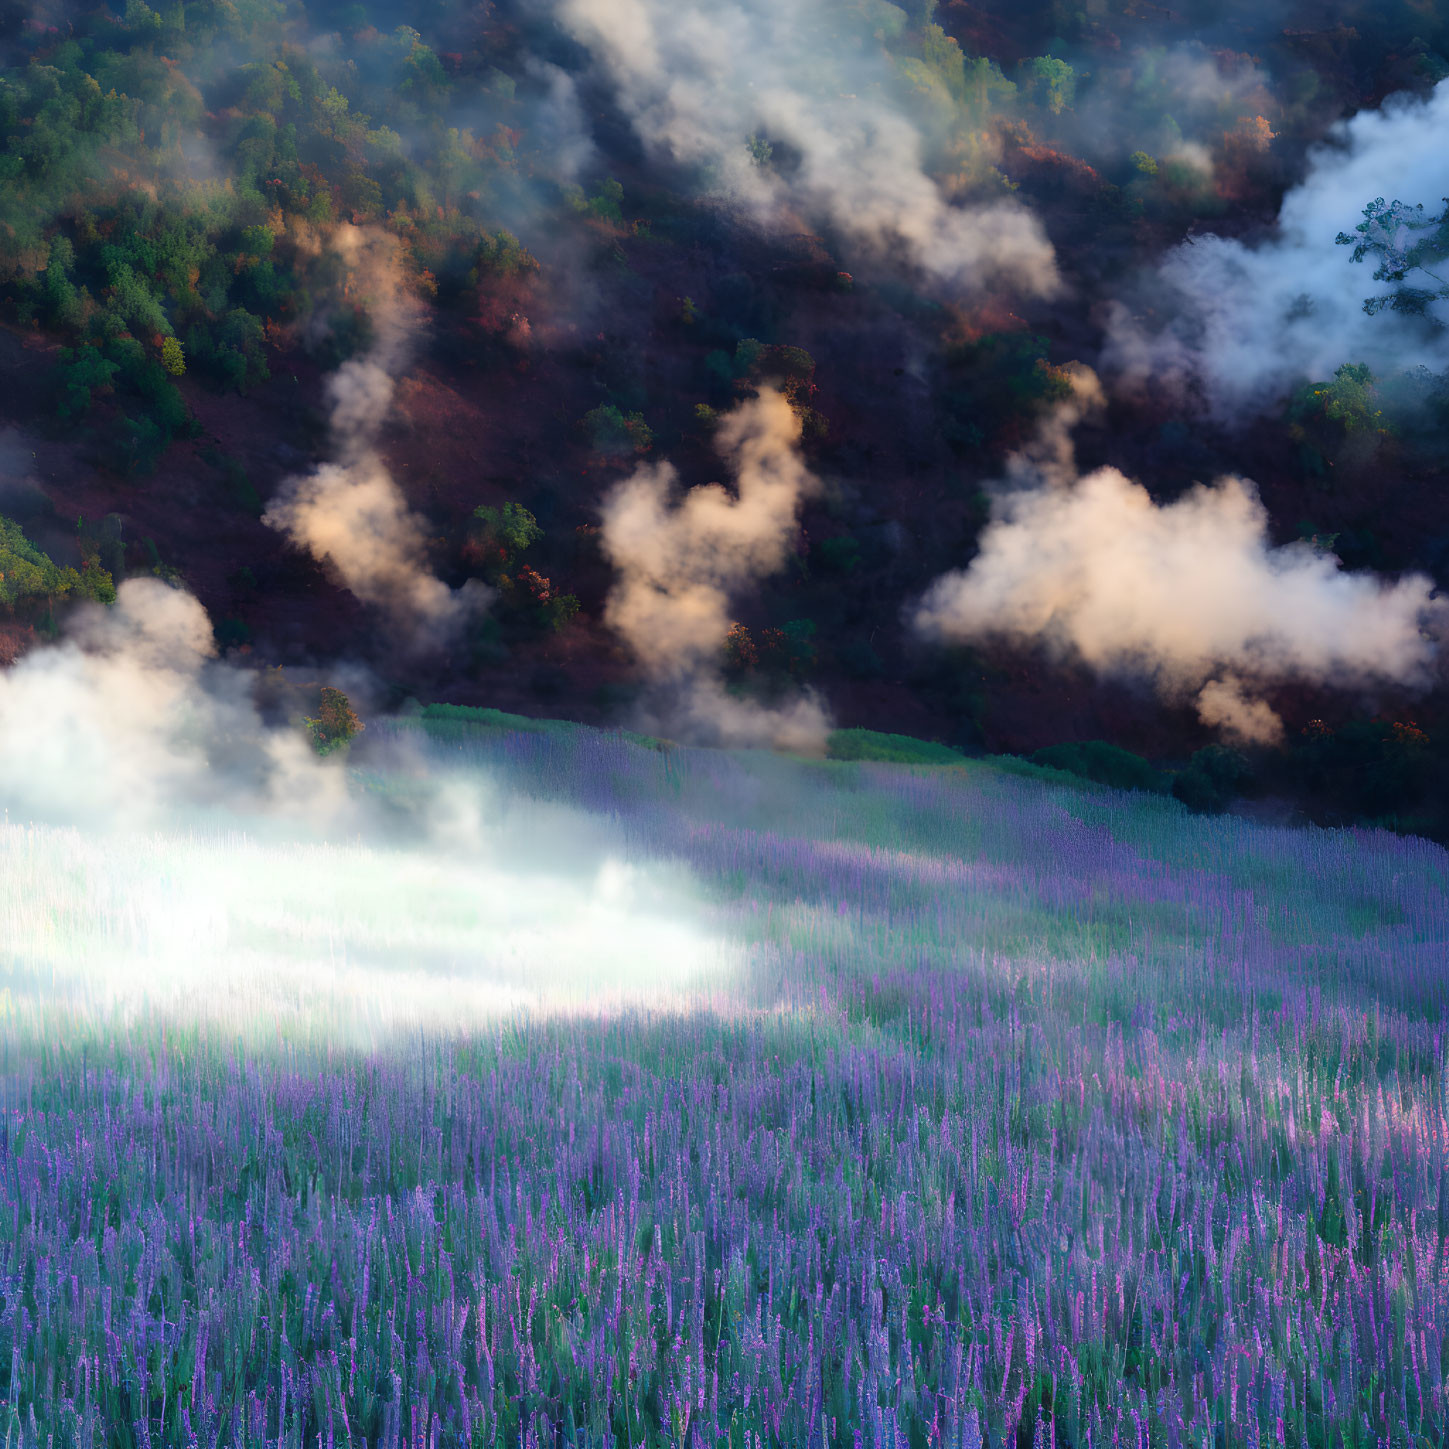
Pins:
x,y
213,212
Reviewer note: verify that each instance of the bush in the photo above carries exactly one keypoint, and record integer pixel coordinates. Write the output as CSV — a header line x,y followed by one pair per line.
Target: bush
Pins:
x,y
1372,769
499,533
614,432
1213,778
83,372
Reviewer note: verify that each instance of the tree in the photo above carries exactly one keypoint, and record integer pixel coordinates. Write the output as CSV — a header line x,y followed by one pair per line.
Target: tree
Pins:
x,y
1412,249
83,372
1051,82
613,431
336,722
1339,424
1349,400
1214,777
497,534
28,574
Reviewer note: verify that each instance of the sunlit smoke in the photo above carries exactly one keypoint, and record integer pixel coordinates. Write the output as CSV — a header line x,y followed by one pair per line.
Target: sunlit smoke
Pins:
x,y
350,510
1243,324
1049,458
710,87
1191,593
679,565
1223,705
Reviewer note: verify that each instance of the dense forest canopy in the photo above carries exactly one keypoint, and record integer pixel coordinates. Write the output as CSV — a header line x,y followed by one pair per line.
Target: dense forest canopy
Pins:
x,y
1025,378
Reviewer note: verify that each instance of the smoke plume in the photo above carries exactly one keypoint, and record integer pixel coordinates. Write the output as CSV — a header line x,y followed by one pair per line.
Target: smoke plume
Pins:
x,y
1244,324
131,716
711,86
679,565
350,510
1191,593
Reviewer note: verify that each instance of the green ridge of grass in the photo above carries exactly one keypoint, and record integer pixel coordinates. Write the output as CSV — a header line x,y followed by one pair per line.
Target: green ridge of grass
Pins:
x,y
1075,766
853,744
445,721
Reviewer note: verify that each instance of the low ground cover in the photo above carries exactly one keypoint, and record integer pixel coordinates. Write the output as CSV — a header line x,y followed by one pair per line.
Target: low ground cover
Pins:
x,y
1013,1112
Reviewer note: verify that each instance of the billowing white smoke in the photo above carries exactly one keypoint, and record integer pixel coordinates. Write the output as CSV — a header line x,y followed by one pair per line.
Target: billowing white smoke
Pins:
x,y
1246,323
700,80
679,564
1191,593
351,510
130,718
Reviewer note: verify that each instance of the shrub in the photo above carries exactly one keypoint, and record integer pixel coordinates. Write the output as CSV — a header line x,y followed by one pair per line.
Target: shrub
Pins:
x,y
503,532
1214,776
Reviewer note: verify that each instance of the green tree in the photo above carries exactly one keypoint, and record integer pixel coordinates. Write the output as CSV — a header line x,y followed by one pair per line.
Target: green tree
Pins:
x,y
612,431
27,574
1412,251
82,373
504,532
1349,400
501,254
1050,82
942,53
1214,777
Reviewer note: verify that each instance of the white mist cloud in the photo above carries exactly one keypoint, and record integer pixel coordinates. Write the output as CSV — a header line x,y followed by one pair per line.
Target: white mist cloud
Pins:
x,y
556,124
1191,593
679,564
351,510
702,711
699,80
163,848
350,941
1245,323
130,718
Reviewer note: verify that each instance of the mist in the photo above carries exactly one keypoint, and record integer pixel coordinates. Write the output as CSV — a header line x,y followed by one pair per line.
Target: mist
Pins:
x,y
1238,325
167,847
1182,103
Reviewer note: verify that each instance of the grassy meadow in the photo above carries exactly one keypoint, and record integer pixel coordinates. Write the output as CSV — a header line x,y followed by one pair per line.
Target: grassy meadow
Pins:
x,y
743,1101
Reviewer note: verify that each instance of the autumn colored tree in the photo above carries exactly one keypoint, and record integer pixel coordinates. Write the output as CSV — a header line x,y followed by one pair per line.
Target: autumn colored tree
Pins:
x,y
336,723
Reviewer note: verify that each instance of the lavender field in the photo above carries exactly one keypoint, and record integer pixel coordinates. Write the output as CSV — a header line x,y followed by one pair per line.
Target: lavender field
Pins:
x,y
737,1100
